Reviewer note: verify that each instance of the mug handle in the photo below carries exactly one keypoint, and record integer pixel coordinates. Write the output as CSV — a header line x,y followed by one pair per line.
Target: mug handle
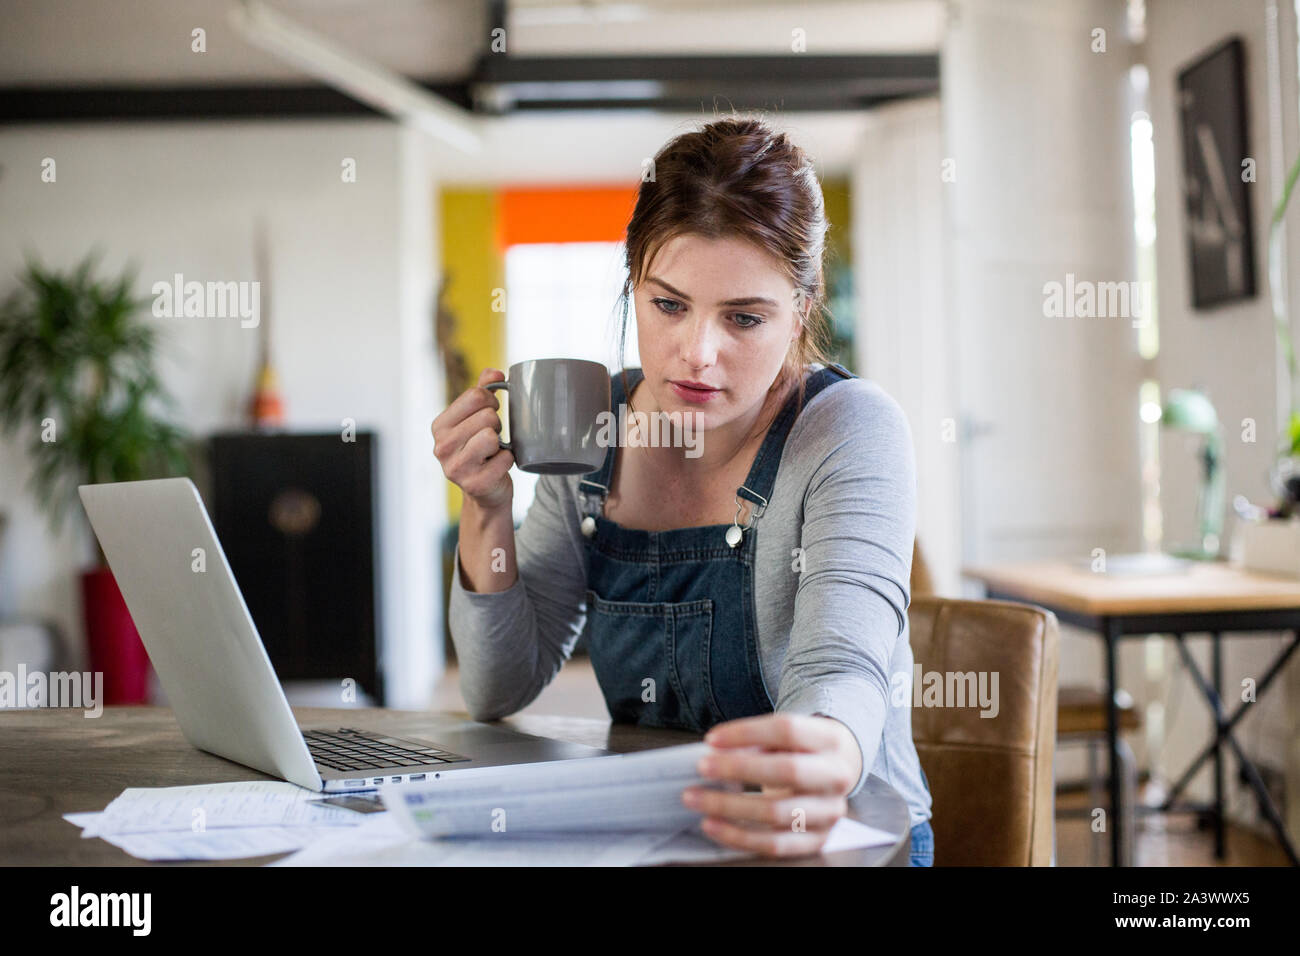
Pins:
x,y
492,387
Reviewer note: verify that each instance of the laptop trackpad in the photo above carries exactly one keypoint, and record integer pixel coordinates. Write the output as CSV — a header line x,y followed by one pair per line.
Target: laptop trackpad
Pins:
x,y
484,742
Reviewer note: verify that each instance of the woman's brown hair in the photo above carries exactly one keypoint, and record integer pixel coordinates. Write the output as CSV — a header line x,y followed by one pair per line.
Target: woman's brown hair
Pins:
x,y
738,178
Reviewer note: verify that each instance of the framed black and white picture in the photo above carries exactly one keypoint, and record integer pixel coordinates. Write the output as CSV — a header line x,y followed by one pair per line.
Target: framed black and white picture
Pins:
x,y
1217,173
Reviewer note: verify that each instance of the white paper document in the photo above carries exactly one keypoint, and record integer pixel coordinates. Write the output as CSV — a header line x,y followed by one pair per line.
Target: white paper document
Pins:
x,y
692,846
382,841
207,806
219,843
622,792
618,810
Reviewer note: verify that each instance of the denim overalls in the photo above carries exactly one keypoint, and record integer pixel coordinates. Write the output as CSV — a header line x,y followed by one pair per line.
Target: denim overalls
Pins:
x,y
671,614
671,624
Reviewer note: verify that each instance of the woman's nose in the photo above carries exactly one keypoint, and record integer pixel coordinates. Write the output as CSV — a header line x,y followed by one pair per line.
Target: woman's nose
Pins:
x,y
699,350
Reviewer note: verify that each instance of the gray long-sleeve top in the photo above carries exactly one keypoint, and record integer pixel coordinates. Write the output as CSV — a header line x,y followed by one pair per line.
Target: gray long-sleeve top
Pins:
x,y
832,569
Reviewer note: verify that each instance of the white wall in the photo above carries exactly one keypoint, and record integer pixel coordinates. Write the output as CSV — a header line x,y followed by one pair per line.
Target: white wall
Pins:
x,y
1037,136
1230,351
350,305
904,337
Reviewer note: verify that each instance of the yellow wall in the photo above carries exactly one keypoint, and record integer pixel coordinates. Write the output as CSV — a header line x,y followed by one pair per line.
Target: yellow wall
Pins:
x,y
475,269
836,195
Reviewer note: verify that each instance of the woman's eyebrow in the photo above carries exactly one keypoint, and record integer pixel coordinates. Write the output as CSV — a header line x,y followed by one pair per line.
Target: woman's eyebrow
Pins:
x,y
750,300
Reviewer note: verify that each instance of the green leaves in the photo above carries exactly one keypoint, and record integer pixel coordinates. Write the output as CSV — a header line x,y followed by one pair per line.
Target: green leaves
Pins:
x,y
1293,433
77,367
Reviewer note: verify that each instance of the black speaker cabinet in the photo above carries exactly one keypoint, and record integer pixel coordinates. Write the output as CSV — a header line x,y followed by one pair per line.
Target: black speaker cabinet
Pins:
x,y
296,515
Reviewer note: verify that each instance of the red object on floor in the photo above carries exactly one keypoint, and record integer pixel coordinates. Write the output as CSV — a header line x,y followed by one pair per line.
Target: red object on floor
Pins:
x,y
114,645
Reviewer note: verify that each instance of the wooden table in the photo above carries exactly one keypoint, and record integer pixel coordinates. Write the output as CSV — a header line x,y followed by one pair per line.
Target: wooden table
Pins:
x,y
1209,597
58,761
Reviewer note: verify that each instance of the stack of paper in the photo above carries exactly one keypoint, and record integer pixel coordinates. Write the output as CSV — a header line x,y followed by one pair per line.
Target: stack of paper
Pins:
x,y
619,810
382,841
620,792
214,821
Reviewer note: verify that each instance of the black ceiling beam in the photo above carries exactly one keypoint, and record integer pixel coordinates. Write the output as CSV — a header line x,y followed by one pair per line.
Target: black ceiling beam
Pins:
x,y
503,83
785,102
883,67
58,104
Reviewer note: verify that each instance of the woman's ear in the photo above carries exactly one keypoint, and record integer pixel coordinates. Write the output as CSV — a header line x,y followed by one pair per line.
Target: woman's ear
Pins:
x,y
801,307
800,319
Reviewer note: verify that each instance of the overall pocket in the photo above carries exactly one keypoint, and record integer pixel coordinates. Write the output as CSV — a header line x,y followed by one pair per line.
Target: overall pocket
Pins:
x,y
652,661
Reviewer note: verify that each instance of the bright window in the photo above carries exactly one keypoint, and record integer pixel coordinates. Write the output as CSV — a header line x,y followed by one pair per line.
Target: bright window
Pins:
x,y
562,302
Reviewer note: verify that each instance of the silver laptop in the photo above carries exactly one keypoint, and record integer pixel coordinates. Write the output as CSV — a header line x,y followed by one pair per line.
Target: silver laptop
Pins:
x,y
216,673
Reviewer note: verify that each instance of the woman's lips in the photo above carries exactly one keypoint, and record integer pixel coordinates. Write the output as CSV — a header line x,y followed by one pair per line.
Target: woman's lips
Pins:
x,y
691,394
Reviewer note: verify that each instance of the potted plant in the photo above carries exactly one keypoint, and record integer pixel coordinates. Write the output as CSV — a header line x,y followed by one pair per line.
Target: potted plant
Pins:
x,y
1285,474
77,379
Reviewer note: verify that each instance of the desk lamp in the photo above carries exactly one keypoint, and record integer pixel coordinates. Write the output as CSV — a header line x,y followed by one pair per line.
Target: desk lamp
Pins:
x,y
1189,410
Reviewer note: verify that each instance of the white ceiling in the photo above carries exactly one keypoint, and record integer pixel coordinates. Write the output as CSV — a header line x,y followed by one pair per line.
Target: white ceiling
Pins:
x,y
148,41
88,42
73,42
591,147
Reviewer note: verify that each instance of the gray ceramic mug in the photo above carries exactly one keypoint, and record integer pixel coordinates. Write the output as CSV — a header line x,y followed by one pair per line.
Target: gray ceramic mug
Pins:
x,y
555,409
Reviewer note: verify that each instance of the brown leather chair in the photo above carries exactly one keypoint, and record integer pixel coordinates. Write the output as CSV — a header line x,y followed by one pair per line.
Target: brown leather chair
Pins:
x,y
990,777
922,582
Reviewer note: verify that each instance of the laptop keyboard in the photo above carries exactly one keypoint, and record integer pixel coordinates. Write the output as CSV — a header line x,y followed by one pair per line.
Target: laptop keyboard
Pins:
x,y
348,749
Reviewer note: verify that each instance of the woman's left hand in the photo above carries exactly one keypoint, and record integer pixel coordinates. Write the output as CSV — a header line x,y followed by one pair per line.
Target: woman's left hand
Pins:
x,y
806,764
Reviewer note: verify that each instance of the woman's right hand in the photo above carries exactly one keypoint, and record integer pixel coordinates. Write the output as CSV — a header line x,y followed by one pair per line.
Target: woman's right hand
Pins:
x,y
465,442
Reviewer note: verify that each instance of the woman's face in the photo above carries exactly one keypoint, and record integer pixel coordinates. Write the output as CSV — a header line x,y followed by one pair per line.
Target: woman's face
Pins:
x,y
719,312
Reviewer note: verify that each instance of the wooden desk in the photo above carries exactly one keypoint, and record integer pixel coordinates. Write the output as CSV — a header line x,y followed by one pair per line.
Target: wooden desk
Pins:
x,y
58,761
1209,597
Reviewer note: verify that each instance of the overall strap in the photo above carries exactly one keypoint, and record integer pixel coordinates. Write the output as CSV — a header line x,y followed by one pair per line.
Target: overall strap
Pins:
x,y
762,475
596,484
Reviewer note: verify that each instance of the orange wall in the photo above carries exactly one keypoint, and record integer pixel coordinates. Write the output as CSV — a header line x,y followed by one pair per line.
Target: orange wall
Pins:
x,y
593,214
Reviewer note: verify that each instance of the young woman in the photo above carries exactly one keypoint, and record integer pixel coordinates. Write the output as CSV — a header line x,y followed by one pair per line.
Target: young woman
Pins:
x,y
754,585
